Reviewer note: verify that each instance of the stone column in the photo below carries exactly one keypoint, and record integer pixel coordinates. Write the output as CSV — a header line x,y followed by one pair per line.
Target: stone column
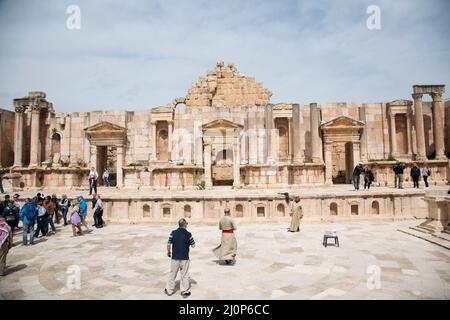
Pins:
x,y
420,132
315,138
198,145
297,139
170,137
393,135
119,168
93,156
269,126
438,128
328,164
362,117
18,142
207,161
291,145
153,155
356,153
408,132
35,143
236,164
252,138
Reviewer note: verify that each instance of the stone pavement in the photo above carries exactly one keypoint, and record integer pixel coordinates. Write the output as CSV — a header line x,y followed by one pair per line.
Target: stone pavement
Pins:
x,y
129,262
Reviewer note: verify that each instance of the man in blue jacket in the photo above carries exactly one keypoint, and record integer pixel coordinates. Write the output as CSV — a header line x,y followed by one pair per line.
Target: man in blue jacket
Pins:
x,y
28,216
84,211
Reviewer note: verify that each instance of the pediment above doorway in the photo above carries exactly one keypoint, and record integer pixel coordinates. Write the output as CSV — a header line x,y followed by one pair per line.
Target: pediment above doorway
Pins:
x,y
221,124
106,133
343,122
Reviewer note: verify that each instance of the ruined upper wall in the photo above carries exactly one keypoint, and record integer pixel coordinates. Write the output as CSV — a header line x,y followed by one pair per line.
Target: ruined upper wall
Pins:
x,y
225,86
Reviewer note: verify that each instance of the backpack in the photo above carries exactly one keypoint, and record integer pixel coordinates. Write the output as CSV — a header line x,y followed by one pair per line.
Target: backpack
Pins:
x,y
30,213
429,172
9,214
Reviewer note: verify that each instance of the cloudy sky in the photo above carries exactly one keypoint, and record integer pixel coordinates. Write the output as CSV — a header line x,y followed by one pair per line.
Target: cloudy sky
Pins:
x,y
142,54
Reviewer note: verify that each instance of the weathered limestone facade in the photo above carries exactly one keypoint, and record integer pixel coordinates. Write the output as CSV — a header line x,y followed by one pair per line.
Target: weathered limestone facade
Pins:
x,y
224,132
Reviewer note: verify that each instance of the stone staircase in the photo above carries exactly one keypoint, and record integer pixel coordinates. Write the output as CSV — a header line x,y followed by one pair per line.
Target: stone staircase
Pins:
x,y
441,239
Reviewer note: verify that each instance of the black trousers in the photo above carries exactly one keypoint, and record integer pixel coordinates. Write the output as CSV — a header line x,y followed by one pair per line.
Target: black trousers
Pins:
x,y
93,185
425,179
98,221
367,184
416,182
42,226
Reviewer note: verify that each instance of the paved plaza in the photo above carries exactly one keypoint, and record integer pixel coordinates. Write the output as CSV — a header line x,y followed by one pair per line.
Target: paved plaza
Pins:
x,y
128,262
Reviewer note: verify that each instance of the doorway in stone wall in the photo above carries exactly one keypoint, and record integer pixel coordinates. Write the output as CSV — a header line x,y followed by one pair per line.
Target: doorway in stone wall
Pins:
x,y
106,158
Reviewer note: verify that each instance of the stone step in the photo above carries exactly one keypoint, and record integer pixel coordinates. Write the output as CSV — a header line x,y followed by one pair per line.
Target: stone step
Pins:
x,y
440,240
442,235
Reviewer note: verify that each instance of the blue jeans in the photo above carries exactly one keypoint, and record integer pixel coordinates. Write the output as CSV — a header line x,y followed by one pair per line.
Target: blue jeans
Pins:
x,y
28,228
64,214
52,225
356,182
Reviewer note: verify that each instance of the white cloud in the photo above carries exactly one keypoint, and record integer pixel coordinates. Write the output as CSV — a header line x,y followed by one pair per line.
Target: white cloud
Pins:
x,y
142,54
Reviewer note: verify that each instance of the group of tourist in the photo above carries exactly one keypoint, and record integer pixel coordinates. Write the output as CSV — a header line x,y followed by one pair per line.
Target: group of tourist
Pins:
x,y
399,170
44,212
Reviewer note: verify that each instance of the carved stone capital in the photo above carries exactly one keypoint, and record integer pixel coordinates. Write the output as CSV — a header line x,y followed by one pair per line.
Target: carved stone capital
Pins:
x,y
436,96
19,109
417,96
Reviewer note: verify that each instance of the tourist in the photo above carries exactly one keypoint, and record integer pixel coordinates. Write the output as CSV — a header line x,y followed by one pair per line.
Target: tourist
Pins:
x,y
105,177
415,175
180,240
98,212
226,251
93,177
64,205
296,213
55,202
82,204
42,220
17,204
75,219
426,172
10,213
28,217
4,203
398,169
356,175
6,242
38,198
50,208
368,178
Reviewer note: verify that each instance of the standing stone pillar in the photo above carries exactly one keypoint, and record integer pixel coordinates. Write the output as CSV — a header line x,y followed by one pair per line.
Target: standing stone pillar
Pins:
x,y
119,168
297,139
315,138
252,138
291,145
356,153
362,117
408,132
198,144
420,132
269,134
207,161
328,164
236,164
35,143
170,137
438,128
18,142
393,136
93,156
153,155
